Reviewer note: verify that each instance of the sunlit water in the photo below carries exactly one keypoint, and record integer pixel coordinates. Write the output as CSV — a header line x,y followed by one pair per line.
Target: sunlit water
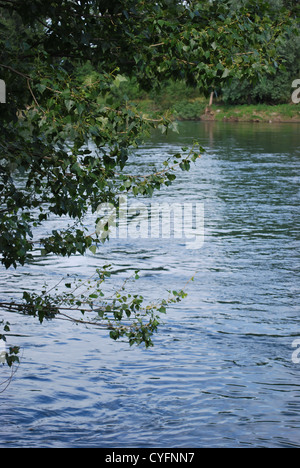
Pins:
x,y
221,373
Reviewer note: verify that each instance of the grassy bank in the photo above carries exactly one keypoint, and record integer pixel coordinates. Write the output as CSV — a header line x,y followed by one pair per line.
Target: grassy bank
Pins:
x,y
254,113
197,109
186,103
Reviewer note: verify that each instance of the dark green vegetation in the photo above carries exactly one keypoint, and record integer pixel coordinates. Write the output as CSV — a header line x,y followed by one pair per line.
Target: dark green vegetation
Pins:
x,y
183,102
55,110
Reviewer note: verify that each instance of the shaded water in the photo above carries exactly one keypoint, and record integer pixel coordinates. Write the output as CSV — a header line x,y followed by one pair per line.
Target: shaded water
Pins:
x,y
221,372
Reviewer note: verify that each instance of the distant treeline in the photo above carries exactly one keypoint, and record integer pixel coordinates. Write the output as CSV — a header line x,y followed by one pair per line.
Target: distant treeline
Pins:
x,y
271,89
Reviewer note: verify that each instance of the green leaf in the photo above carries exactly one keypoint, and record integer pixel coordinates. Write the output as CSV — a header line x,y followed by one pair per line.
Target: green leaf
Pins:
x,y
226,73
119,80
69,104
93,249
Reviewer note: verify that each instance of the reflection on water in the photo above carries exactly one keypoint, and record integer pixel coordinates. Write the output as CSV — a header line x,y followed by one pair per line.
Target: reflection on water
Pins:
x,y
221,372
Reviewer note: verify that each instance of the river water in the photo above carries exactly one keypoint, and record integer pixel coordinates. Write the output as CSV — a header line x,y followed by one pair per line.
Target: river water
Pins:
x,y
221,373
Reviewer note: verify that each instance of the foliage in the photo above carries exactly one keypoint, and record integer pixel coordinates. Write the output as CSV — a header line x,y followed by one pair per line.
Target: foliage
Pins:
x,y
122,313
65,140
272,88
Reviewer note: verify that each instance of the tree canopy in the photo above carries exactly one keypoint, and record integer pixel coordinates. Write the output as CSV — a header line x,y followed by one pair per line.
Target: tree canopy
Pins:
x,y
52,115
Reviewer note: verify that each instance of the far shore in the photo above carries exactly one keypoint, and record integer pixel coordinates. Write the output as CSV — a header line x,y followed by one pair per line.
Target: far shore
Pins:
x,y
257,114
198,110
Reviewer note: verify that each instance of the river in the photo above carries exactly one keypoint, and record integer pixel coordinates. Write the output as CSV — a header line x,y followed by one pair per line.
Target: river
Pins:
x,y
222,372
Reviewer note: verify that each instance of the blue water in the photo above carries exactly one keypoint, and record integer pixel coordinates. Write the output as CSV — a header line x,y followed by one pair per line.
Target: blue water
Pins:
x,y
221,373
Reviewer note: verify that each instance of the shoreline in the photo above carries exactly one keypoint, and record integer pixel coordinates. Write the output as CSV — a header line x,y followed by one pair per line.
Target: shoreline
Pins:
x,y
197,110
255,115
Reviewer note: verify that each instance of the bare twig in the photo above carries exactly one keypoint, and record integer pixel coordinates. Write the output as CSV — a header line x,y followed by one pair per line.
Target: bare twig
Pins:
x,y
15,71
7,381
157,45
31,92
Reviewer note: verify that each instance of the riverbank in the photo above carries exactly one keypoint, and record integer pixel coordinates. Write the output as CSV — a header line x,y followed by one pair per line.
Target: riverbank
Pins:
x,y
198,110
284,113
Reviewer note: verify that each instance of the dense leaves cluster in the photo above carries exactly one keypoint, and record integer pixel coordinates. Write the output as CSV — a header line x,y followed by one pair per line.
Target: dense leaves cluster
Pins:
x,y
272,88
62,152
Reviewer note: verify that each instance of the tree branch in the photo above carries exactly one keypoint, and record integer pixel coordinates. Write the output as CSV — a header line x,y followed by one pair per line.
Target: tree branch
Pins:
x,y
15,71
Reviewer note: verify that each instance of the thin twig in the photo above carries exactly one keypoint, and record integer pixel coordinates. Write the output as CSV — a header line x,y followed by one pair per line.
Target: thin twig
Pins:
x,y
9,379
157,45
15,71
31,92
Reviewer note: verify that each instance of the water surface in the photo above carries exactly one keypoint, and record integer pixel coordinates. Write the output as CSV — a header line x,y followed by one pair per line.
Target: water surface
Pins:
x,y
221,372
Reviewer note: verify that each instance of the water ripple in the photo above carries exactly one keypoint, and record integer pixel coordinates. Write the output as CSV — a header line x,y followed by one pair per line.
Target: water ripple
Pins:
x,y
221,372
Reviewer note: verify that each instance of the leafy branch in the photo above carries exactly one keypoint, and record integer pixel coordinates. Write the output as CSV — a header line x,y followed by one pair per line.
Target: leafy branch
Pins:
x,y
83,302
146,184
